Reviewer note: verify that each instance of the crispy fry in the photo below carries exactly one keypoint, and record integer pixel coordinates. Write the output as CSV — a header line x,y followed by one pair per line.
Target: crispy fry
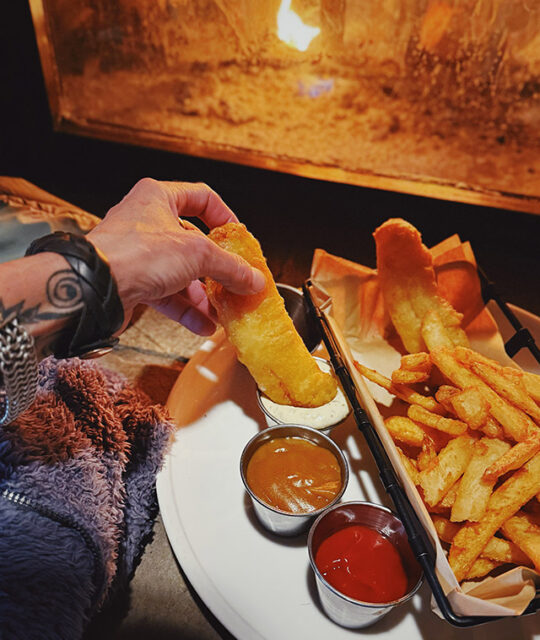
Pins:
x,y
532,384
414,368
427,455
410,467
513,458
435,421
403,376
446,469
492,428
474,491
497,549
525,534
531,381
400,391
445,529
407,281
444,394
481,567
508,387
448,500
263,334
416,362
516,423
471,407
505,501
405,430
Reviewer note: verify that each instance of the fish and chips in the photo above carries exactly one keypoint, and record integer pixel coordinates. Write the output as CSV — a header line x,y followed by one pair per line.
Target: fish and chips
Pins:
x,y
467,428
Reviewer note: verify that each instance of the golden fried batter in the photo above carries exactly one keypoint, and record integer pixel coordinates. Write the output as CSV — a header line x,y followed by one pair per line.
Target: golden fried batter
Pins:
x,y
262,332
409,288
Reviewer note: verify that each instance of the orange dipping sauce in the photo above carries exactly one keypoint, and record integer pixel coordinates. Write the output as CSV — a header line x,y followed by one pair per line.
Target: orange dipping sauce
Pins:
x,y
362,564
294,475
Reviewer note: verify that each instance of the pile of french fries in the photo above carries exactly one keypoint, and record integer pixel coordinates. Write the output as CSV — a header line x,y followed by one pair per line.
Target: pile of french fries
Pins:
x,y
468,429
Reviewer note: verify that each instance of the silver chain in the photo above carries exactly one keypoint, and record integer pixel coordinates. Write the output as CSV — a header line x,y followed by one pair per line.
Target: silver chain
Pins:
x,y
19,368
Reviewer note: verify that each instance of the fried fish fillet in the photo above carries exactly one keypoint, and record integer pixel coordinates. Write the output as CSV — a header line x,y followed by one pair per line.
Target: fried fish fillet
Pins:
x,y
409,287
262,332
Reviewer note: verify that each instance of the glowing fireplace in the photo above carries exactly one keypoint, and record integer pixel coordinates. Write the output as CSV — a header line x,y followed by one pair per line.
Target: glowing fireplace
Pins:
x,y
434,97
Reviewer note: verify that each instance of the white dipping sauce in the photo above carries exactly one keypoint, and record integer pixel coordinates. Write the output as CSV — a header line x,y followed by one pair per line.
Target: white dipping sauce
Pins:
x,y
322,417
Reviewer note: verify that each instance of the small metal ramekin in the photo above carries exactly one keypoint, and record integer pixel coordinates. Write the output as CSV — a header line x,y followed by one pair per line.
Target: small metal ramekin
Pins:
x,y
275,520
343,610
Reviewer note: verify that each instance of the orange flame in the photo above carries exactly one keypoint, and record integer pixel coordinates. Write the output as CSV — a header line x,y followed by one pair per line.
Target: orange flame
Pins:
x,y
292,30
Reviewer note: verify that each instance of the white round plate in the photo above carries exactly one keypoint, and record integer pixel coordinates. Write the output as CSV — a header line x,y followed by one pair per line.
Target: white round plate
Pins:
x,y
256,584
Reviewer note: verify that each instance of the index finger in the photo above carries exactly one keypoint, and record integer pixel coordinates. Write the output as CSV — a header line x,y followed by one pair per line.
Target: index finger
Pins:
x,y
198,200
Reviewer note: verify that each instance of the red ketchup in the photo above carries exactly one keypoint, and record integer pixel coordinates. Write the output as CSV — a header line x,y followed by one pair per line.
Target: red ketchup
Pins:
x,y
362,564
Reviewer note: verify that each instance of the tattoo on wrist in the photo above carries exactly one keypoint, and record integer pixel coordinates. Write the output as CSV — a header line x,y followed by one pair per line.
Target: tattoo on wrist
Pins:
x,y
64,295
64,291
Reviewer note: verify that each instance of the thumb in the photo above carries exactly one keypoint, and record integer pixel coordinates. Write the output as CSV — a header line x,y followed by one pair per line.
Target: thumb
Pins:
x,y
234,273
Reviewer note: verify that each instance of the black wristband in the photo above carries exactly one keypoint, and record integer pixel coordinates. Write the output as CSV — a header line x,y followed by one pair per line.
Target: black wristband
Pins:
x,y
102,313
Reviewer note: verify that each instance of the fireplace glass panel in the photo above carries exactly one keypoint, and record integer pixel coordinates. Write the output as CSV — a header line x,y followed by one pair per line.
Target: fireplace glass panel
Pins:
x,y
437,97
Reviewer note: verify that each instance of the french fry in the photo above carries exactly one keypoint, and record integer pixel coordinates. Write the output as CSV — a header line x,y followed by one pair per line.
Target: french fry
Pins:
x,y
532,384
505,501
474,491
531,381
481,567
471,407
516,423
492,428
514,458
416,362
410,467
427,455
449,498
400,391
405,430
507,387
435,421
445,529
444,394
414,368
445,505
449,465
403,376
497,549
525,534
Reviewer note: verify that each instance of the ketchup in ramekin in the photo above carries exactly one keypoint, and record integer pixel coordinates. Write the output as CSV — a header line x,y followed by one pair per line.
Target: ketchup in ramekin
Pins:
x,y
362,561
362,564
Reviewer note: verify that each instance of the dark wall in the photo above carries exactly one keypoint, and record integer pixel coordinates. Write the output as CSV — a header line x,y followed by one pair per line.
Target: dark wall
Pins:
x,y
290,215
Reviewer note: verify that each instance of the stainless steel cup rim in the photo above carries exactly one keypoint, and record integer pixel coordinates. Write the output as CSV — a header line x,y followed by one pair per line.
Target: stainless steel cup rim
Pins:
x,y
372,605
276,432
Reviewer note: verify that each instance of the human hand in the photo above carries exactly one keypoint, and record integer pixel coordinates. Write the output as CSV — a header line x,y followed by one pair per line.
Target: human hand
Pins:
x,y
157,258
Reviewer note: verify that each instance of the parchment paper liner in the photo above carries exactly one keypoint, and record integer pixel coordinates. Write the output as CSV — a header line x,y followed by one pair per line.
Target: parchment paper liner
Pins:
x,y
349,295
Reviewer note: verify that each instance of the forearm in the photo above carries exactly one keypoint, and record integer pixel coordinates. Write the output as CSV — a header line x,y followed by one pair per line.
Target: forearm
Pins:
x,y
44,292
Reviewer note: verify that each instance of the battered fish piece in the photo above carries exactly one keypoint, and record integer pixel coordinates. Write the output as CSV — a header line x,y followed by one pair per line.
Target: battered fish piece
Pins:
x,y
262,332
408,284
